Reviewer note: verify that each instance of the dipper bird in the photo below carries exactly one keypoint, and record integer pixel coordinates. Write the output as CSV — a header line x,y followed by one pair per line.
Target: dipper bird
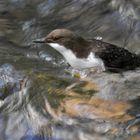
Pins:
x,y
91,53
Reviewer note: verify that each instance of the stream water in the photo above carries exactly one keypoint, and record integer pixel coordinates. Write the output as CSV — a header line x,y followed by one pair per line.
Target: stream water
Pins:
x,y
39,97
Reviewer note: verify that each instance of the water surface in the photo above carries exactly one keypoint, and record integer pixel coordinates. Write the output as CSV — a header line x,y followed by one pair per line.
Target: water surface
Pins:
x,y
39,98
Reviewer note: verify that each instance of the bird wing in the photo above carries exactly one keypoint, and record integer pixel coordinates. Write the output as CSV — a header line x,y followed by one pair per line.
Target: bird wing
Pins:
x,y
114,56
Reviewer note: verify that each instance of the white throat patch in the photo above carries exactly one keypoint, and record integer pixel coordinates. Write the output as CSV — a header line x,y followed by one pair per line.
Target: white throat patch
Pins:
x,y
79,63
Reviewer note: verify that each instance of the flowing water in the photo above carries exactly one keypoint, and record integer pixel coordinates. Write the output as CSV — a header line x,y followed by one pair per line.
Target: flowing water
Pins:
x,y
41,97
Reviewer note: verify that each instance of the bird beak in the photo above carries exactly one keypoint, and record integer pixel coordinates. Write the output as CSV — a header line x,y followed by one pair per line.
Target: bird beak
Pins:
x,y
40,40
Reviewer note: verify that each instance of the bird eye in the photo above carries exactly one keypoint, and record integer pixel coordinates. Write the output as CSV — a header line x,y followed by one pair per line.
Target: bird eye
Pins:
x,y
56,38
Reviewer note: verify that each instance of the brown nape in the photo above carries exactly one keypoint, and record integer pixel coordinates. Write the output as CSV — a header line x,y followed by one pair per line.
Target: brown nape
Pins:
x,y
79,46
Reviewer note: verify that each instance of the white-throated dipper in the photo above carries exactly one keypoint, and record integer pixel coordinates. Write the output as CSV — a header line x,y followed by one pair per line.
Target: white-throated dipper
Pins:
x,y
82,54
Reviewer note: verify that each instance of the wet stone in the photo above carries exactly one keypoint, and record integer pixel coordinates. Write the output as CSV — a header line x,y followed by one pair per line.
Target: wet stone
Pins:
x,y
9,80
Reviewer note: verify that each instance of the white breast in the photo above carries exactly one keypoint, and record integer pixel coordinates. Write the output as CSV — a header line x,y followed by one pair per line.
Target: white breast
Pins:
x,y
79,63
